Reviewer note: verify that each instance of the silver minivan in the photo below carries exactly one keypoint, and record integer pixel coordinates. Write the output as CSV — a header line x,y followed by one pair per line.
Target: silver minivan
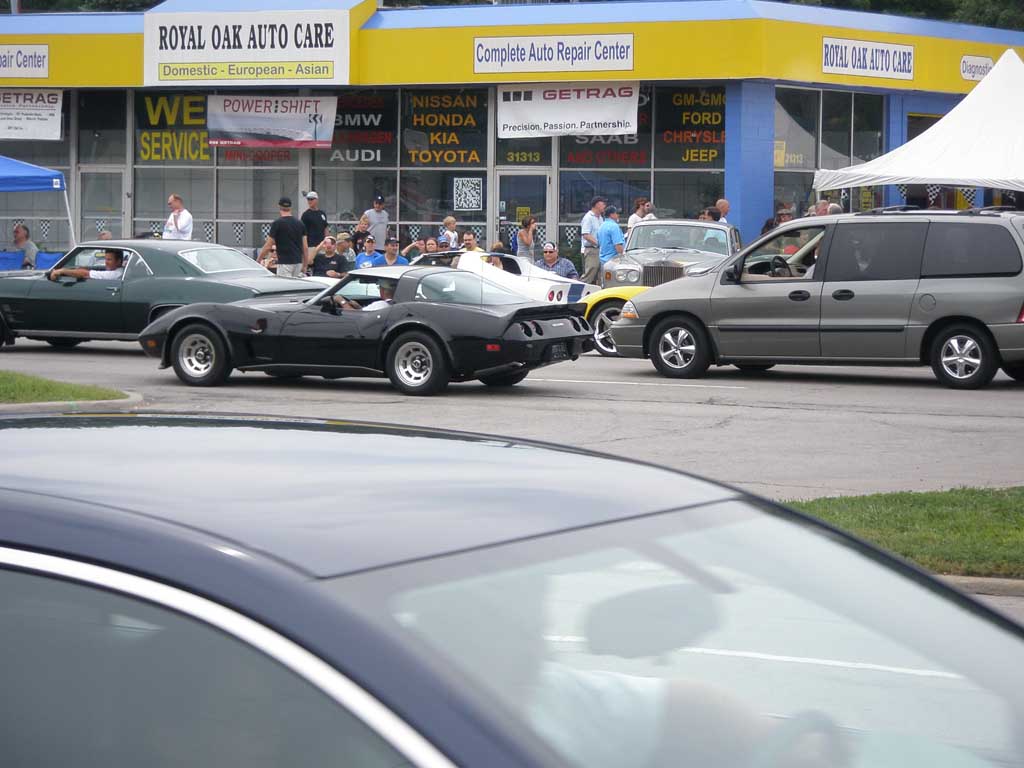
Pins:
x,y
940,288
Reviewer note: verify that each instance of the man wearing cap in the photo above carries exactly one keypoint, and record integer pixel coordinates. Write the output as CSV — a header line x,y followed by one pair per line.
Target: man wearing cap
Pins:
x,y
387,295
378,221
391,257
315,222
345,249
369,253
589,225
609,236
560,265
289,236
328,262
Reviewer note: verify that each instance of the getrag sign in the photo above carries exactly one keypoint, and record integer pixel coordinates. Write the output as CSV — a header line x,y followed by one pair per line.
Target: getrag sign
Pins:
x,y
252,48
31,115
569,109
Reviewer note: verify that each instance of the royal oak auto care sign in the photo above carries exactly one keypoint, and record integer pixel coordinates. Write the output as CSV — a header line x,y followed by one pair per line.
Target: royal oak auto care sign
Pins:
x,y
567,109
252,48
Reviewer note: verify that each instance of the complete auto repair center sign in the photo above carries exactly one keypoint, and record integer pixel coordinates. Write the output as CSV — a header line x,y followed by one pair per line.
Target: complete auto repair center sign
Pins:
x,y
567,109
252,48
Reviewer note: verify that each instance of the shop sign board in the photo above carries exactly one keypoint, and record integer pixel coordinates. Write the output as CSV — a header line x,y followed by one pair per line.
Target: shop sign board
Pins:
x,y
28,61
553,53
250,48
867,58
31,114
365,130
445,128
975,67
691,127
567,109
171,128
249,120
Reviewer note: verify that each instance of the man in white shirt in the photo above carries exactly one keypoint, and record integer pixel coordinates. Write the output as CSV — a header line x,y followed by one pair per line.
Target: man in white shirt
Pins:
x,y
591,222
643,210
723,208
387,295
112,260
179,223
378,221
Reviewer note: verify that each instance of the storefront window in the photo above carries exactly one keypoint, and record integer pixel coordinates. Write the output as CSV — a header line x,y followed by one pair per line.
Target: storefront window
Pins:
x,y
252,193
346,193
795,191
153,185
444,128
836,123
592,152
682,195
365,132
796,129
257,157
429,196
534,151
868,121
690,127
102,118
577,188
170,129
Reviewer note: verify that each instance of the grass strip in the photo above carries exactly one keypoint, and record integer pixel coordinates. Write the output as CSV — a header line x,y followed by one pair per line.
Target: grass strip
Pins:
x,y
966,531
20,388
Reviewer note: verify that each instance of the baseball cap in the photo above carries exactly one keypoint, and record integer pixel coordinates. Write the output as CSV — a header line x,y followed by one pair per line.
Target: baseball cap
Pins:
x,y
344,236
610,210
378,199
390,240
311,195
369,239
284,202
443,240
550,247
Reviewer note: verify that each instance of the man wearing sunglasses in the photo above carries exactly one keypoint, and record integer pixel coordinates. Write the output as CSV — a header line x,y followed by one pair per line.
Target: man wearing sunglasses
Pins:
x,y
552,262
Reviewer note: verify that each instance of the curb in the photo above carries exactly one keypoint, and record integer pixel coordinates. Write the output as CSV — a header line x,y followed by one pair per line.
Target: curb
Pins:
x,y
132,401
978,585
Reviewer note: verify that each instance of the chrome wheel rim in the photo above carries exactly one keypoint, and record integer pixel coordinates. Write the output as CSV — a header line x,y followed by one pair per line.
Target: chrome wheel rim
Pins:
x,y
961,357
196,355
603,329
677,348
413,364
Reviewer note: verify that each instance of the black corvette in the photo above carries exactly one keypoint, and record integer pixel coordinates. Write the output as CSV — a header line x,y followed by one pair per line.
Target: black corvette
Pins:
x,y
441,325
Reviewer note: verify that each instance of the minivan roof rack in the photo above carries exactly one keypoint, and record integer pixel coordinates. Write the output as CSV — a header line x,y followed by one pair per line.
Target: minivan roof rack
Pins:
x,y
987,209
889,209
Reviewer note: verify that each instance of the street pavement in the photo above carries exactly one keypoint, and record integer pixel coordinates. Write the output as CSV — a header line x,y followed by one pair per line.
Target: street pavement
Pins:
x,y
790,433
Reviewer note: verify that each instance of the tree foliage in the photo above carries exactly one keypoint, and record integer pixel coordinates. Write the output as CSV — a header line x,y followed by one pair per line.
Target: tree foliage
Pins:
x,y
1005,14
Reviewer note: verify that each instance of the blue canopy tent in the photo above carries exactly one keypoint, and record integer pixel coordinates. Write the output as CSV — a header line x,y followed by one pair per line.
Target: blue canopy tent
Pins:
x,y
16,176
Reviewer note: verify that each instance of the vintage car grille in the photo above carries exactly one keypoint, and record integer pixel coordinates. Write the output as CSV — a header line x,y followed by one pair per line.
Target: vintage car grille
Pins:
x,y
657,274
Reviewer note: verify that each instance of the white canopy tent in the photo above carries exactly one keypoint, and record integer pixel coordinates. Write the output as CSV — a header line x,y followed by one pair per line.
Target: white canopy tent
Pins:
x,y
979,143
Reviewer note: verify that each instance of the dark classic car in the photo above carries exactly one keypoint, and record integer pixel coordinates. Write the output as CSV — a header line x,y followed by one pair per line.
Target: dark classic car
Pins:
x,y
266,593
159,275
422,327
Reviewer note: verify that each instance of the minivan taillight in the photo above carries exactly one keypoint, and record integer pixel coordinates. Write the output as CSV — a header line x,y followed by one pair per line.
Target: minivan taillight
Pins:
x,y
1020,317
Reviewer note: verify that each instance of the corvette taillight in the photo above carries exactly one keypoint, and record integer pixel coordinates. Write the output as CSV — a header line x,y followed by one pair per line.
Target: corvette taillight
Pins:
x,y
559,295
551,295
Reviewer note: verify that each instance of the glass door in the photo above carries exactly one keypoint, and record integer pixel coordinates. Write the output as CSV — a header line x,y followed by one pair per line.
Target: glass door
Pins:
x,y
102,200
521,195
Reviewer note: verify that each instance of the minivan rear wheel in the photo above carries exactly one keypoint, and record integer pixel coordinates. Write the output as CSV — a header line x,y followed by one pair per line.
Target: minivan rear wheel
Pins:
x,y
1015,371
963,357
680,348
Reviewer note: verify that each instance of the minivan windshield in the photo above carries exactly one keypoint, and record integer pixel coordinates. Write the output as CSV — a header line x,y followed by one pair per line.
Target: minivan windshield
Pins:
x,y
679,235
719,635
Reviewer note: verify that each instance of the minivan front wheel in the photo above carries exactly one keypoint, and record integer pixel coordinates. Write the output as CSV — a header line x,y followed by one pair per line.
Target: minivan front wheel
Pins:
x,y
680,348
963,357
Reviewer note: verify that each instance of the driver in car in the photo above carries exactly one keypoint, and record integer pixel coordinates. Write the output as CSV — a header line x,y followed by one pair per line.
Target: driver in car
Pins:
x,y
113,261
387,295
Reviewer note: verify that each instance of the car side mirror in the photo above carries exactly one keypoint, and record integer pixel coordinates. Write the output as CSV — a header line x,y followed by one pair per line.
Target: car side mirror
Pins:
x,y
733,272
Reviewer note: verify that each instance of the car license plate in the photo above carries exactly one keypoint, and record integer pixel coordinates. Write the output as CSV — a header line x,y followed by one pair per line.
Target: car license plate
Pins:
x,y
558,351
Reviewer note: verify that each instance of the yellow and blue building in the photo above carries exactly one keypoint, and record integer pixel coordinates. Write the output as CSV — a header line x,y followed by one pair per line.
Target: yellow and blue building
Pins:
x,y
741,99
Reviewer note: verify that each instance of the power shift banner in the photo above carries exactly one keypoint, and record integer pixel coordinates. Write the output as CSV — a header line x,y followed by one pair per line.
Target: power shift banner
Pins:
x,y
241,120
569,109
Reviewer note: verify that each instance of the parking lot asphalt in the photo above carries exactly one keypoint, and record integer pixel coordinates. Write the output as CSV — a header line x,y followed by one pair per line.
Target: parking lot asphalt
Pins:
x,y
790,433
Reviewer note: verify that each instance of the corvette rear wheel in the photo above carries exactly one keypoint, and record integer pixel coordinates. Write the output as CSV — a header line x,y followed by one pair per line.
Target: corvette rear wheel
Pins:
x,y
200,357
416,365
504,379
604,314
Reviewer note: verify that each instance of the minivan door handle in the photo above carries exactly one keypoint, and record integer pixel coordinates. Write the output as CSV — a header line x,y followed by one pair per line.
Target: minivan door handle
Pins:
x,y
842,295
800,295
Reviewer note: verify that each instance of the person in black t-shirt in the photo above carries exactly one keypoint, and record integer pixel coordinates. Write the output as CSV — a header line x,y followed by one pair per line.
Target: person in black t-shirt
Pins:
x,y
315,222
288,234
328,262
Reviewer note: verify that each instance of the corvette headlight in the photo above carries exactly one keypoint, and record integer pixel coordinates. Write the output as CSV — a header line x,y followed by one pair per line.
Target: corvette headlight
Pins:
x,y
627,275
629,311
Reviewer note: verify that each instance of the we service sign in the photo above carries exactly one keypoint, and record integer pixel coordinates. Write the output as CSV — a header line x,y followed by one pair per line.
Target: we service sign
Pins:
x,y
258,48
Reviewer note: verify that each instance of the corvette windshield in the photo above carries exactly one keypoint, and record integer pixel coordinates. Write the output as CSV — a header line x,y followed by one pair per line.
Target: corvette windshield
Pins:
x,y
211,260
717,635
464,288
694,235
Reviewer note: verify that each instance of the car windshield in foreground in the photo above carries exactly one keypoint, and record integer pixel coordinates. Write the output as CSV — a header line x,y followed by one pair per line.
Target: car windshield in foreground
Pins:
x,y
218,259
719,635
694,236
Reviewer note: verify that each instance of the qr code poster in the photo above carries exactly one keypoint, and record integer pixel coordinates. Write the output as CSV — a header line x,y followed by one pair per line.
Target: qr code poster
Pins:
x,y
468,194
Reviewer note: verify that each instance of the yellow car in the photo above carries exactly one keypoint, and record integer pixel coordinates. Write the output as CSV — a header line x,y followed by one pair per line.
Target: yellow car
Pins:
x,y
603,309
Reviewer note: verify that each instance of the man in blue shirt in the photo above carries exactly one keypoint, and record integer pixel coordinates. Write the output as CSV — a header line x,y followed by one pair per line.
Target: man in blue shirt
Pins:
x,y
390,257
610,241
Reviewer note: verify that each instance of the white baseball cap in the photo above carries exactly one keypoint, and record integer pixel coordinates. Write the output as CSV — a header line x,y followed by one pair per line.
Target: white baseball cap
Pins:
x,y
312,195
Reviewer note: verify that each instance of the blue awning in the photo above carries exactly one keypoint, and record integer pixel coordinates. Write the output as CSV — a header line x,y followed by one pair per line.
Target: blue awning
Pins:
x,y
16,176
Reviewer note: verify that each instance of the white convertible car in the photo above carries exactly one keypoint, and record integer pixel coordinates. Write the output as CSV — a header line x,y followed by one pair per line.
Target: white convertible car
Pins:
x,y
517,273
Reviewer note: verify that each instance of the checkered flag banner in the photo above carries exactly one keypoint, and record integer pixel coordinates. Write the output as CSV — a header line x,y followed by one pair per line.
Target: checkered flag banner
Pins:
x,y
902,189
933,192
44,228
844,195
968,193
239,229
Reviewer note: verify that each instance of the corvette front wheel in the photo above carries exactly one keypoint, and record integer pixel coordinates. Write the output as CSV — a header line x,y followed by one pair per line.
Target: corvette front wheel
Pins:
x,y
416,365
